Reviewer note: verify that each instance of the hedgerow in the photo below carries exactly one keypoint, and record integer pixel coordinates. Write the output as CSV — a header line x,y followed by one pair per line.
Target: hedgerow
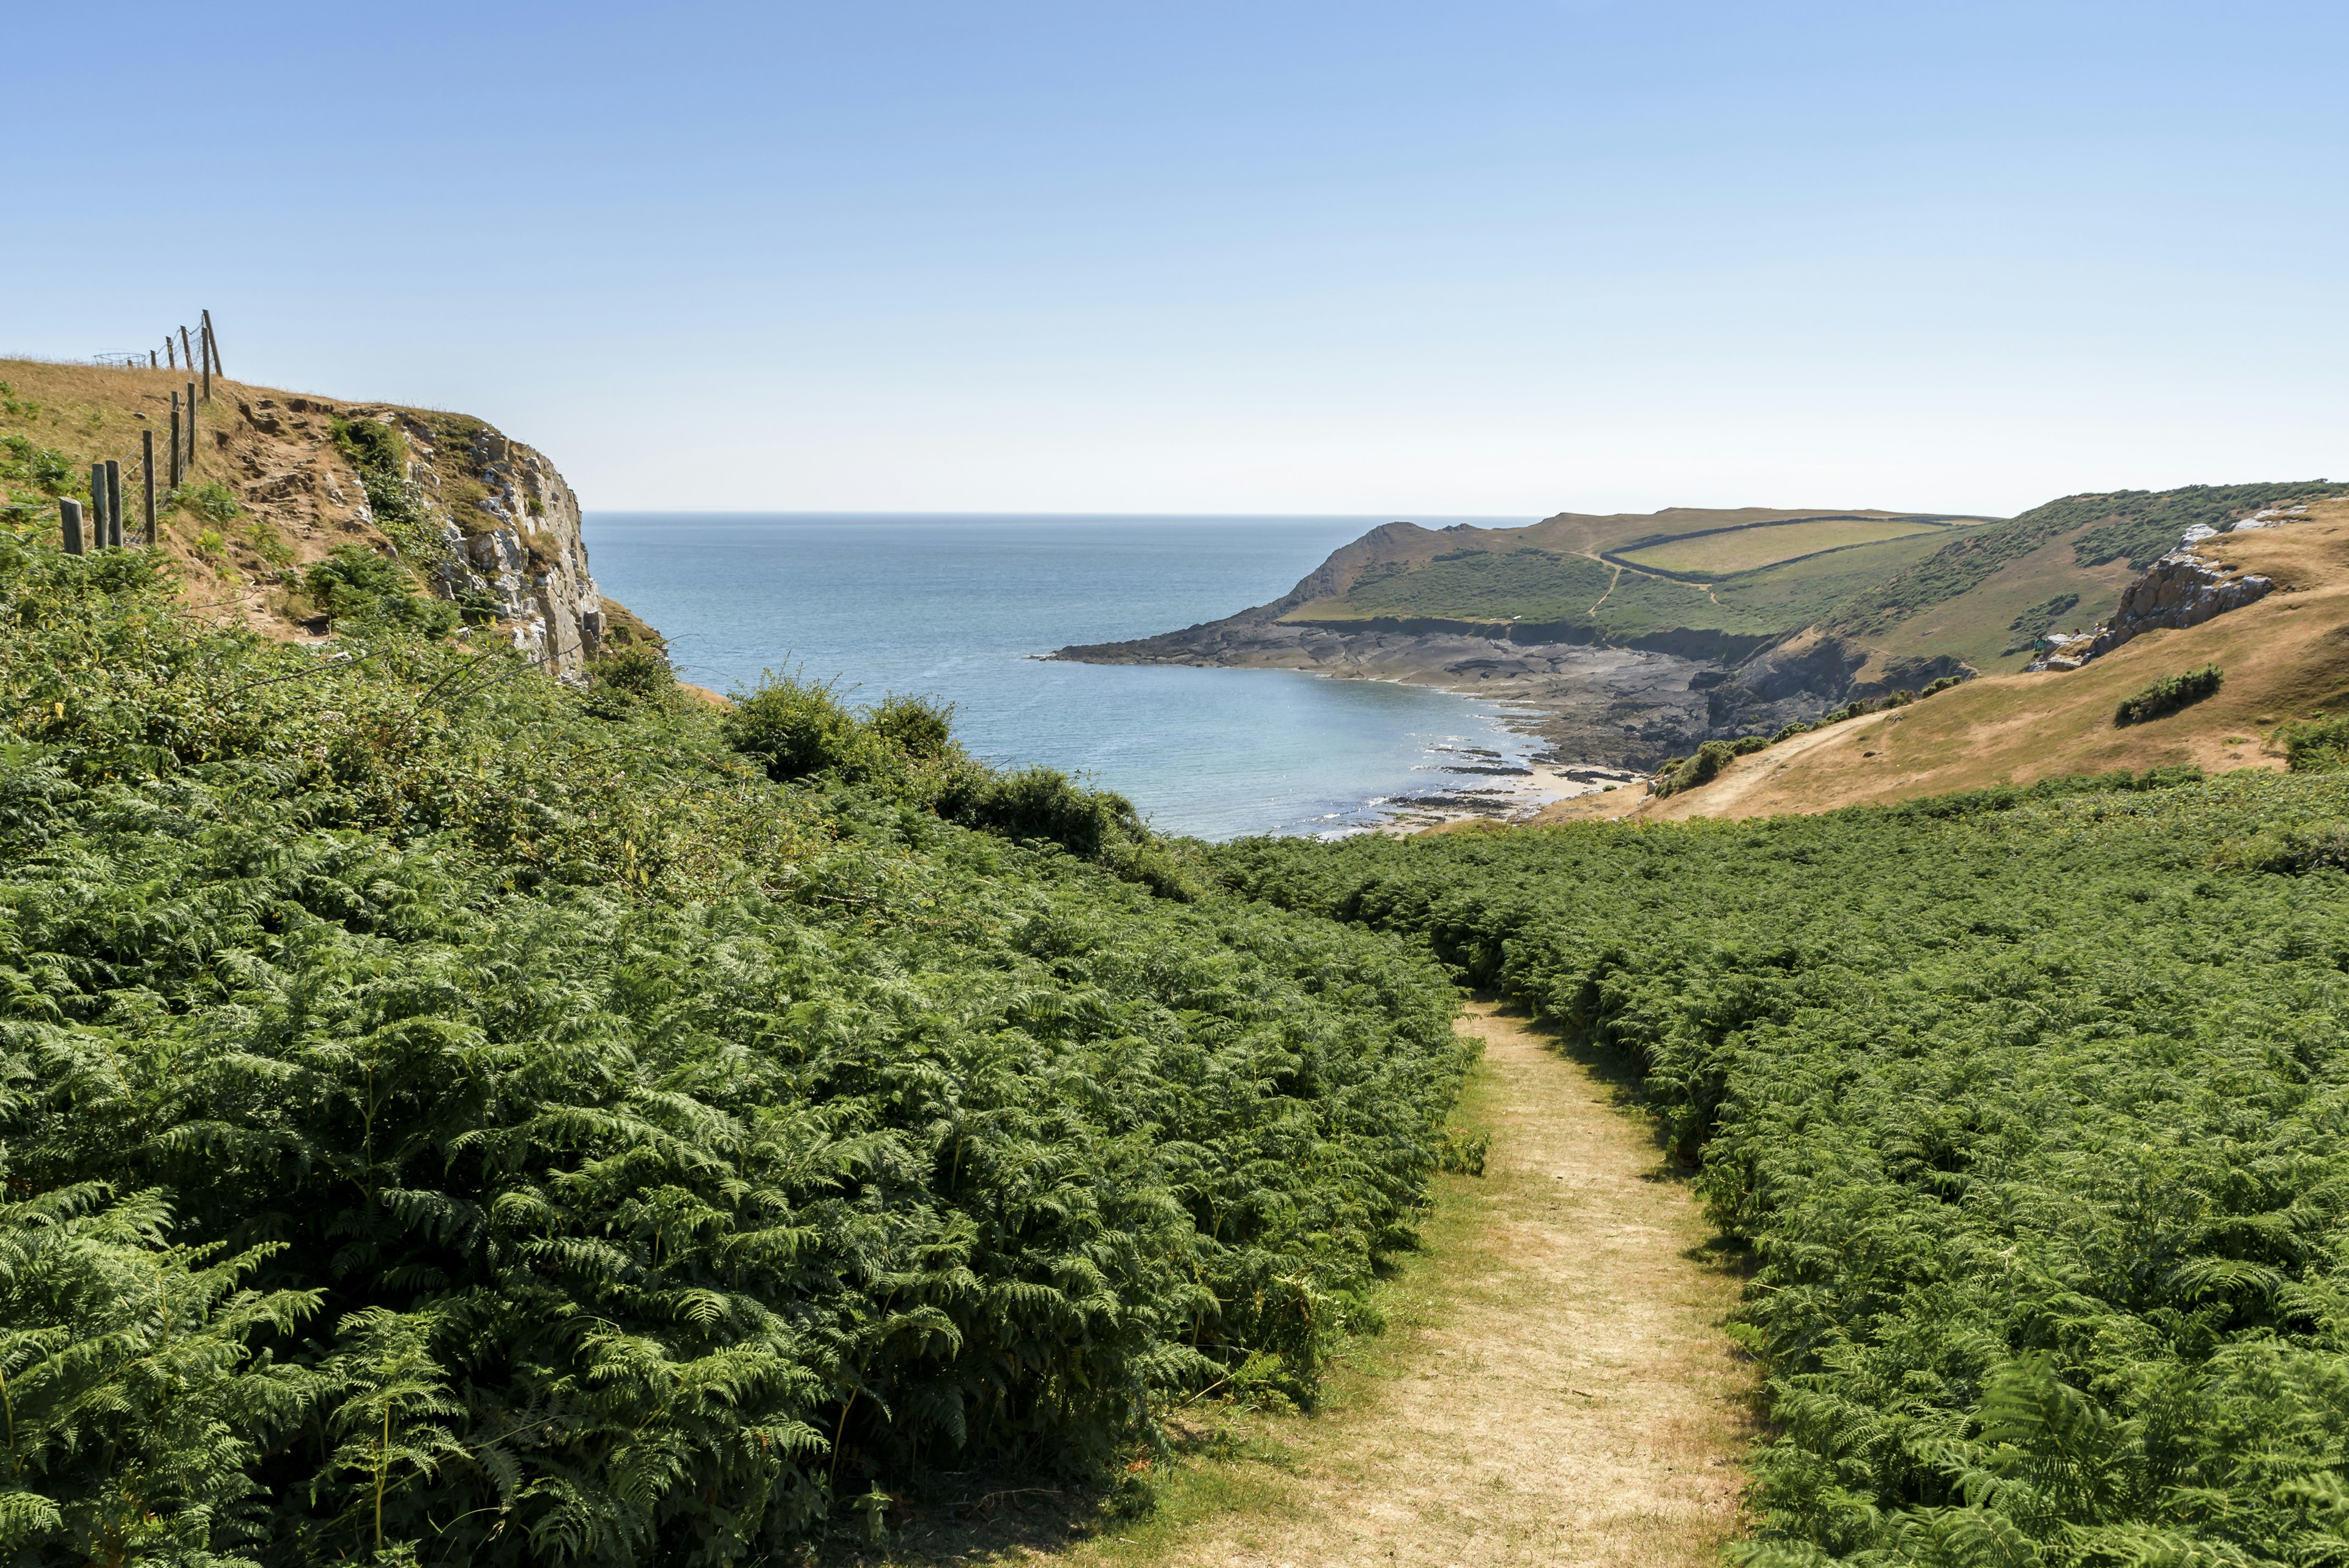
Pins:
x,y
2029,1108
450,1118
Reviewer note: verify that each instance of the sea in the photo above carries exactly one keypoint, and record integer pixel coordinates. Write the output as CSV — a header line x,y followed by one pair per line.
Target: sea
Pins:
x,y
959,607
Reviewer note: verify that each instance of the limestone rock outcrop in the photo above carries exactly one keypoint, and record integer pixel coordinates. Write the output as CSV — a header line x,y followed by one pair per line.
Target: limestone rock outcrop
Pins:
x,y
486,518
2181,589
513,538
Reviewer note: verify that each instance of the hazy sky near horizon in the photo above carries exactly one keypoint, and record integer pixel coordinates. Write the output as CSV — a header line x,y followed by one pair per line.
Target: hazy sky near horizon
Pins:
x,y
1499,258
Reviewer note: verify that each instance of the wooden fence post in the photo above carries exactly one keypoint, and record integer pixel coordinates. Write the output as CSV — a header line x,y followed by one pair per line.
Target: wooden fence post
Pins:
x,y
97,506
171,353
69,519
114,503
187,351
151,360
212,344
147,478
191,429
175,440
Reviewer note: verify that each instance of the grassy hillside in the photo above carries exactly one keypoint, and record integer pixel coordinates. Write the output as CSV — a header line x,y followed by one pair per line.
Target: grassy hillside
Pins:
x,y
1972,594
454,1117
1905,587
2284,657
1571,596
2024,1109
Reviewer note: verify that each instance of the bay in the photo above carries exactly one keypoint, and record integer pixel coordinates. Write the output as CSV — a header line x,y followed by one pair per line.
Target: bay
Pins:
x,y
957,607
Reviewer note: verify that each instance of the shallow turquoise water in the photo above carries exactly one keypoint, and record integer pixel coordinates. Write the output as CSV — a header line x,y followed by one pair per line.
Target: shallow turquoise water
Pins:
x,y
957,606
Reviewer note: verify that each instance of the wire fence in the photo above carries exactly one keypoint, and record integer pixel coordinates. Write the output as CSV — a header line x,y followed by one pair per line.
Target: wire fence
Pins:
x,y
100,525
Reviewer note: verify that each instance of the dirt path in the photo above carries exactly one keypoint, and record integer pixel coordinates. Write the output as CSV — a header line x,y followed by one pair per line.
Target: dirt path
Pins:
x,y
1556,1390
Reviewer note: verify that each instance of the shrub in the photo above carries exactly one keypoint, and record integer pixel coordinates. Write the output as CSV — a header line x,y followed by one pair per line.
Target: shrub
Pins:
x,y
268,543
380,455
638,669
47,470
1044,804
2167,695
920,727
1747,745
1943,683
440,1130
208,501
625,680
1701,769
1462,1154
2291,850
1787,732
797,728
355,585
2318,746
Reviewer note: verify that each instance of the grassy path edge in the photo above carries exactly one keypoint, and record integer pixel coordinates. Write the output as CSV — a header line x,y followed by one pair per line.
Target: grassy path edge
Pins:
x,y
1554,1386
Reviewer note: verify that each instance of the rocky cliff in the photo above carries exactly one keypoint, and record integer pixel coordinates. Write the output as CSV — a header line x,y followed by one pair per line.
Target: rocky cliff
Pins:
x,y
486,521
279,480
2183,588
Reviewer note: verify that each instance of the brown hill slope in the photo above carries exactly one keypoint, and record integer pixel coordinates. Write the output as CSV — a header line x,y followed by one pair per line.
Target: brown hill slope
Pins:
x,y
2286,658
477,518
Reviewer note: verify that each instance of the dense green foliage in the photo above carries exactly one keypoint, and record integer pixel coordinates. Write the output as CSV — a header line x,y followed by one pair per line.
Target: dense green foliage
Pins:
x,y
2168,695
449,1117
2031,1108
206,501
380,455
356,587
2317,746
1705,766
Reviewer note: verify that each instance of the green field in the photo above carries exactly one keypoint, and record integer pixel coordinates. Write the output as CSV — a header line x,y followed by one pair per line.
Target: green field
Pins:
x,y
1545,587
2027,1109
1733,550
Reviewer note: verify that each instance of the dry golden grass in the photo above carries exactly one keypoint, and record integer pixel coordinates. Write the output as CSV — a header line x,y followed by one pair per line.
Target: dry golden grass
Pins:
x,y
1555,1387
272,450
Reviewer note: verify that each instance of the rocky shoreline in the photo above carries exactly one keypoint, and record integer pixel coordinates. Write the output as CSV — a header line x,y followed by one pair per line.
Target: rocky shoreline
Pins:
x,y
1518,792
1590,703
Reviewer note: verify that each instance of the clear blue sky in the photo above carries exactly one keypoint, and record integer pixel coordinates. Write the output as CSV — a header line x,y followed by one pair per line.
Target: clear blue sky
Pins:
x,y
1501,258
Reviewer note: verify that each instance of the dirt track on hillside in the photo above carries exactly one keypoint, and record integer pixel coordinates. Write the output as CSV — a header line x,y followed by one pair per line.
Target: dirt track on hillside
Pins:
x,y
1566,1397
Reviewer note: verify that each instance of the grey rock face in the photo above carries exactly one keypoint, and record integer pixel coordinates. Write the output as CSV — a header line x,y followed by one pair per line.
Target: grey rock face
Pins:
x,y
516,549
2181,589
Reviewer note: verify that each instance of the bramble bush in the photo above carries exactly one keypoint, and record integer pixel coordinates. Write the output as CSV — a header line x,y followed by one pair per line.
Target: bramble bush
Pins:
x,y
2029,1109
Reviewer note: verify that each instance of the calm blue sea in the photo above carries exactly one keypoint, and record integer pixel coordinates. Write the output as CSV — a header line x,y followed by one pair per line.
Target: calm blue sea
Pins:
x,y
957,606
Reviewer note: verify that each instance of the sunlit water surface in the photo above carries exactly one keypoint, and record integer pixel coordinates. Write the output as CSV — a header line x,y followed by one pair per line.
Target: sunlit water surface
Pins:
x,y
959,606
